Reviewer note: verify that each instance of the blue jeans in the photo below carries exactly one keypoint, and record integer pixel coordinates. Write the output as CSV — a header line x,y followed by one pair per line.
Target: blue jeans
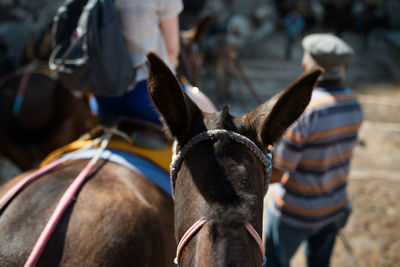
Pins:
x,y
282,241
134,104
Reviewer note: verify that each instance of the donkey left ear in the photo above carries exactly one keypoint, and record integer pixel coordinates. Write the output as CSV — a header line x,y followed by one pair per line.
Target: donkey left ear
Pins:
x,y
286,109
178,112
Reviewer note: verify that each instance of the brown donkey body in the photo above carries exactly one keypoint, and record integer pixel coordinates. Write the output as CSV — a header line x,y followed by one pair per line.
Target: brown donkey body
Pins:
x,y
120,218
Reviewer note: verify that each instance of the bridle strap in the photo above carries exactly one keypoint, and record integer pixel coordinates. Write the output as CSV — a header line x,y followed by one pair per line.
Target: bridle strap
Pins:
x,y
257,238
185,238
177,158
197,226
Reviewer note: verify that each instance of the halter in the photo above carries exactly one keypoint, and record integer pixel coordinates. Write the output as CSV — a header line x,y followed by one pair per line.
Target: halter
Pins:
x,y
215,134
199,223
177,158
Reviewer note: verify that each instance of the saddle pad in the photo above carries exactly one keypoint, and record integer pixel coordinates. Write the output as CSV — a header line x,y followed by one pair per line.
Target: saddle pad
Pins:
x,y
132,161
161,157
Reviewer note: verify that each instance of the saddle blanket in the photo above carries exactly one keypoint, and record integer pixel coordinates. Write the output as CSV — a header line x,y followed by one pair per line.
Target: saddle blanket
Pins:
x,y
133,162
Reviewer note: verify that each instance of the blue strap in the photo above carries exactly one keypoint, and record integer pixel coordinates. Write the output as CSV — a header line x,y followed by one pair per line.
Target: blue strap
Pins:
x,y
264,261
17,104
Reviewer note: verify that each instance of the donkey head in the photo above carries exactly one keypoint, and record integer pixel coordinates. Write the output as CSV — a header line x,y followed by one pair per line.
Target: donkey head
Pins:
x,y
220,179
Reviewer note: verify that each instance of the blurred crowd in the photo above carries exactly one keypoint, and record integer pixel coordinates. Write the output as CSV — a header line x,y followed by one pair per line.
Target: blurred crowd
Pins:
x,y
241,22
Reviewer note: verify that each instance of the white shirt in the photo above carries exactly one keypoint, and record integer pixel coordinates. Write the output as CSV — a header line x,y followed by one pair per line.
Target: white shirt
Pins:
x,y
140,21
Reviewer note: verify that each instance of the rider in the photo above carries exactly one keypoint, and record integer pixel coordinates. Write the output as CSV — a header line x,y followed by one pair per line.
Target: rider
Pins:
x,y
150,25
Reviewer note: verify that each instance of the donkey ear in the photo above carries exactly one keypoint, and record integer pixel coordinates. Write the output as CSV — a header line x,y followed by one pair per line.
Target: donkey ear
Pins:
x,y
286,109
202,27
178,111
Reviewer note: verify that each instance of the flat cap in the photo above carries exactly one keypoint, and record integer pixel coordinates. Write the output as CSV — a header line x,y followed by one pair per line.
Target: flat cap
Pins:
x,y
327,49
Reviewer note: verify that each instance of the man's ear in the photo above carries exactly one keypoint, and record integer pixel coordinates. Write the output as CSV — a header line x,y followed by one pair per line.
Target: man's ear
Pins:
x,y
271,119
178,112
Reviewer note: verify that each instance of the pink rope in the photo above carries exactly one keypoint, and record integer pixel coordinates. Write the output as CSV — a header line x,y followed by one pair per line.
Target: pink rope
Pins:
x,y
24,83
189,233
256,237
18,187
68,197
66,200
199,223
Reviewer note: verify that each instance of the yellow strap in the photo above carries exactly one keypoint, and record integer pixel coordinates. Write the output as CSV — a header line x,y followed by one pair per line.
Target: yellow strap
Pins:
x,y
160,157
75,145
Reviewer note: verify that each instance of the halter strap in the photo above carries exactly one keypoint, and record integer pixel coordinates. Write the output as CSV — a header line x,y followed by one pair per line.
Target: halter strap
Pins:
x,y
177,158
185,238
197,226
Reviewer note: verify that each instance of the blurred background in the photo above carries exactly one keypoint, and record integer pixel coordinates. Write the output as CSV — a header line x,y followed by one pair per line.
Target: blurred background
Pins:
x,y
244,57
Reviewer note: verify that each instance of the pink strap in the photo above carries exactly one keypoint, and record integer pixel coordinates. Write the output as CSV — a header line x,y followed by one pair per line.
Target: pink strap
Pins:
x,y
189,233
24,82
256,237
68,197
62,205
18,187
22,88
198,224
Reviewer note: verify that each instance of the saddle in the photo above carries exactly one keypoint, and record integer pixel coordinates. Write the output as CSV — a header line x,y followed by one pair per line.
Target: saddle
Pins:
x,y
138,137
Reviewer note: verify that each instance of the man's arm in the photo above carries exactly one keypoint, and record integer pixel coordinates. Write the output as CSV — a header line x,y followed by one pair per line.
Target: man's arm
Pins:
x,y
170,33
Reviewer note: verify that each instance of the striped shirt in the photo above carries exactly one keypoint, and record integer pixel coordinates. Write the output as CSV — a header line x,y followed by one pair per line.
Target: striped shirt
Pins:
x,y
315,154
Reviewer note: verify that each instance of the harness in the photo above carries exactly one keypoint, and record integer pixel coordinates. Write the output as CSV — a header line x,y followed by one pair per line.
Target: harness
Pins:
x,y
215,134
65,201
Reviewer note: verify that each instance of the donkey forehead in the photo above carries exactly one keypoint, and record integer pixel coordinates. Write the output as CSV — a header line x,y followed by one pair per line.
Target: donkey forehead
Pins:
x,y
221,120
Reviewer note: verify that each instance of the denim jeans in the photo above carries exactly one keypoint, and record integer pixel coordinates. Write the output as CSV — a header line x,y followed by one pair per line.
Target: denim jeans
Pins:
x,y
135,103
282,241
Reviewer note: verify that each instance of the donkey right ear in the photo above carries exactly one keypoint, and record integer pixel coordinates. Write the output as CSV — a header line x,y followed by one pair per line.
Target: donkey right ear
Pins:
x,y
271,122
178,112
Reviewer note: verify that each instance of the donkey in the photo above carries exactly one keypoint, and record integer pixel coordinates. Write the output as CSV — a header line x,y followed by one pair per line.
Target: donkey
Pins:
x,y
218,179
49,116
190,56
120,218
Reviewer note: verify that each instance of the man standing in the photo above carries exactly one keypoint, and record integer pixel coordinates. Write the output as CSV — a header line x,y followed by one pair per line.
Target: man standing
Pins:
x,y
312,161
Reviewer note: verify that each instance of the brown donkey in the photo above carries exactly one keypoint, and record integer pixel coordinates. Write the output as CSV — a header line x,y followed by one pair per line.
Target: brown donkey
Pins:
x,y
190,57
49,116
219,177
